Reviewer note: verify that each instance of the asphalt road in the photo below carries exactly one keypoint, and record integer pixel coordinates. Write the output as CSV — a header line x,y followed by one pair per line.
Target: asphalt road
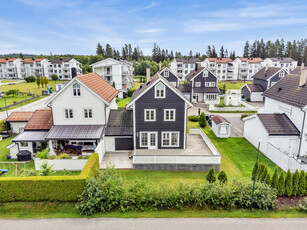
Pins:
x,y
148,224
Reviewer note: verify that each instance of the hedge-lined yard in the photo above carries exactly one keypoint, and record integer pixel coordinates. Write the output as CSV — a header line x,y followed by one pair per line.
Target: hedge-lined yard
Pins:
x,y
48,188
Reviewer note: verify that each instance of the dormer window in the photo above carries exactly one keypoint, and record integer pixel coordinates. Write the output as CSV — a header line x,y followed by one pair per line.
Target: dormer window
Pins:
x,y
166,74
281,74
160,91
205,73
76,90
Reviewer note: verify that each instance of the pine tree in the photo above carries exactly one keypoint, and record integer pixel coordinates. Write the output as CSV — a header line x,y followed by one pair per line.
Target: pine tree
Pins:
x,y
202,120
246,52
296,179
274,181
302,184
281,184
211,176
226,53
214,54
209,52
222,52
260,171
306,183
222,177
255,171
99,50
288,184
268,178
263,173
190,54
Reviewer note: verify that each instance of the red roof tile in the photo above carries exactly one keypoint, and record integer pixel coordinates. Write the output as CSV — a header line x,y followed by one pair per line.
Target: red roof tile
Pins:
x,y
220,60
219,119
99,86
19,116
251,60
41,120
32,60
5,60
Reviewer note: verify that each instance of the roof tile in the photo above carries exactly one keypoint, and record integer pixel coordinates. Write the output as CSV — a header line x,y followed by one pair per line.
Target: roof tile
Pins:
x,y
41,120
19,116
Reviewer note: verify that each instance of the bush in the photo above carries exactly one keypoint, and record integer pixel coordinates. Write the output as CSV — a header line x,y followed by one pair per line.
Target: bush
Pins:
x,y
45,169
288,184
211,176
130,92
302,184
64,156
202,120
296,179
12,92
246,115
248,99
28,172
54,77
222,177
267,179
303,207
274,181
281,184
193,118
48,188
30,79
43,154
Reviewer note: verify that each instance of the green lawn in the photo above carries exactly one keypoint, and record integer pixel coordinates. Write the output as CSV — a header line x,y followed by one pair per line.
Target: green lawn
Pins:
x,y
67,210
233,84
10,99
136,85
8,81
123,102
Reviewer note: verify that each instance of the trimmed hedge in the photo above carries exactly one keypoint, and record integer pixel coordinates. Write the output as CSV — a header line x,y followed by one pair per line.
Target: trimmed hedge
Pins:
x,y
48,188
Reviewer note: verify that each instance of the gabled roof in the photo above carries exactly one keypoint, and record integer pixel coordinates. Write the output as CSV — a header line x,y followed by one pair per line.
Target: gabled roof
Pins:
x,y
116,60
165,68
153,81
120,123
99,86
32,60
194,73
5,60
220,60
297,70
187,60
287,90
19,116
253,87
281,59
278,124
184,88
60,60
219,119
41,120
251,60
264,74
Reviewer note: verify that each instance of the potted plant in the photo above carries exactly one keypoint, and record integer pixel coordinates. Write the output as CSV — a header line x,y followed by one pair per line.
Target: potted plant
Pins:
x,y
8,157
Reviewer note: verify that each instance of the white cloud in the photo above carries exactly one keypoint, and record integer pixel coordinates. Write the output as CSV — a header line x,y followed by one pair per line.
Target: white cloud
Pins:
x,y
147,41
150,30
151,5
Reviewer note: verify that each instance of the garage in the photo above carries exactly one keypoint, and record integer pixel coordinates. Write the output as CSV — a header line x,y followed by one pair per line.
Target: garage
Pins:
x,y
123,144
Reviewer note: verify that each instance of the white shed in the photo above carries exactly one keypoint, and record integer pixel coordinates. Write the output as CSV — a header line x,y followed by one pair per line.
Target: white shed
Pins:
x,y
221,127
232,97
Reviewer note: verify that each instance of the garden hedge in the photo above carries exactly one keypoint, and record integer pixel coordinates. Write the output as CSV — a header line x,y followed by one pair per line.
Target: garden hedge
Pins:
x,y
48,188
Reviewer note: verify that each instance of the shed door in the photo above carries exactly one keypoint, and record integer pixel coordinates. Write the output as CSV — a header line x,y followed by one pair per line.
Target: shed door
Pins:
x,y
124,143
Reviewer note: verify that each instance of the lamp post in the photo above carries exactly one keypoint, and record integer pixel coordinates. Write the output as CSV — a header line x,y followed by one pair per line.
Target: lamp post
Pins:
x,y
254,179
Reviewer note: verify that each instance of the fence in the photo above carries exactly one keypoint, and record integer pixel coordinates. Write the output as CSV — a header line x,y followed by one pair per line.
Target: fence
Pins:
x,y
20,102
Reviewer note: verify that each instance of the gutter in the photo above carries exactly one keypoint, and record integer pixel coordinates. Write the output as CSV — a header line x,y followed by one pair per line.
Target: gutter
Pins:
x,y
301,137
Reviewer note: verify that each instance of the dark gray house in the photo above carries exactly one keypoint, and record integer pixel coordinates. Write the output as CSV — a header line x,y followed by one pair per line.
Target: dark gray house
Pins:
x,y
170,76
262,80
159,114
201,86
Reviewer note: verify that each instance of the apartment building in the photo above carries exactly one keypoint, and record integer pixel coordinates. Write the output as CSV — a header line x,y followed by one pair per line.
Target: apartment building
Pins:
x,y
116,71
183,66
286,63
16,68
222,68
245,68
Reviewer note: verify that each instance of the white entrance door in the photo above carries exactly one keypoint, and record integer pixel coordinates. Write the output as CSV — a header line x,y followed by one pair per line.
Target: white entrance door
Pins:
x,y
152,140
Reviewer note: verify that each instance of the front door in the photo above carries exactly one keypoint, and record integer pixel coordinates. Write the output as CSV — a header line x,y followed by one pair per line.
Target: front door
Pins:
x,y
152,140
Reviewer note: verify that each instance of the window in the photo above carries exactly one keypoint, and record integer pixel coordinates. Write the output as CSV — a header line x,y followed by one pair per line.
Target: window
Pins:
x,y
210,84
150,115
185,71
281,74
60,71
169,114
59,65
192,66
160,91
166,74
69,113
170,139
88,113
211,97
186,66
197,84
205,73
76,89
24,144
55,71
144,140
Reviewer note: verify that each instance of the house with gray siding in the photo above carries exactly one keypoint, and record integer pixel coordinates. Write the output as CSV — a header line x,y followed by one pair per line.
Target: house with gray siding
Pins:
x,y
170,76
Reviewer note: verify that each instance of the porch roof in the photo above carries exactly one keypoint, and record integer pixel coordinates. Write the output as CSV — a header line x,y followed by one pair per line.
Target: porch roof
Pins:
x,y
30,136
75,132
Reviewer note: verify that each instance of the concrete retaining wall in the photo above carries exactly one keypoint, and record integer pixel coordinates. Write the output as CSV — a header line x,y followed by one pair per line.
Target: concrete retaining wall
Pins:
x,y
177,167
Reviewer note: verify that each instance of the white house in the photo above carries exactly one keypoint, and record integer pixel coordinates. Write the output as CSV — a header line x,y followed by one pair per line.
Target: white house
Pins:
x,y
221,126
117,71
222,67
11,68
183,66
286,63
245,68
36,67
18,120
232,97
65,68
282,123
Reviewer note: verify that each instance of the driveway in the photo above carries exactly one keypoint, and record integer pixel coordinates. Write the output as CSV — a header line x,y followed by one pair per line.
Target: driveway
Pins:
x,y
154,223
120,160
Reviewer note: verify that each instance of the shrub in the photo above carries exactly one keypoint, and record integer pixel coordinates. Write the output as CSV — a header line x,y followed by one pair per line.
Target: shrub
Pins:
x,y
193,118
54,77
45,169
202,120
38,81
47,188
248,99
63,156
211,176
30,79
43,154
281,184
302,184
255,171
296,179
28,172
12,92
246,115
288,184
303,206
274,181
130,92
267,179
222,177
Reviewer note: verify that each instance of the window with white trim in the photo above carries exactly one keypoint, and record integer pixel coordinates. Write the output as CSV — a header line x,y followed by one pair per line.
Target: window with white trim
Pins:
x,y
166,73
169,114
160,91
88,113
205,73
76,90
150,115
197,84
210,84
211,97
144,140
170,139
281,74
69,113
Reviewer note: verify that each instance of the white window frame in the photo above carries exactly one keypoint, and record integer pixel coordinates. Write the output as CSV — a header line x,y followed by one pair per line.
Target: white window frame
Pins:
x,y
150,111
210,84
141,144
170,139
70,113
87,112
211,97
157,94
281,74
166,73
148,139
76,90
205,73
197,84
167,114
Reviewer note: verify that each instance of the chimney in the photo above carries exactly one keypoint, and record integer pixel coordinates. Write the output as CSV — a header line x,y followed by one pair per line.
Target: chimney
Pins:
x,y
196,66
303,77
147,74
159,65
266,67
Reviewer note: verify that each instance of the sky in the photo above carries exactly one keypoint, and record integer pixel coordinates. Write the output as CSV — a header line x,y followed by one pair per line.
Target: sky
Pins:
x,y
76,26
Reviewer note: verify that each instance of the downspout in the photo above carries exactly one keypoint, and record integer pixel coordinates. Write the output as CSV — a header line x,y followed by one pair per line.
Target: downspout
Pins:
x,y
301,137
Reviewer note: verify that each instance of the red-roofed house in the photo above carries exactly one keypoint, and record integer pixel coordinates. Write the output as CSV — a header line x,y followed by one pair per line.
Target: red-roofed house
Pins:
x,y
18,120
221,126
10,68
245,68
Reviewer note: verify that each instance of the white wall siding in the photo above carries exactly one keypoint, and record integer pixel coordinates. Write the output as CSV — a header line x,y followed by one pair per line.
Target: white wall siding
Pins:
x,y
17,127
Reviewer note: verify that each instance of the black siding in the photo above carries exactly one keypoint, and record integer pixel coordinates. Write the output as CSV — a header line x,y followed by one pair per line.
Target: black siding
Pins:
x,y
245,92
203,80
262,83
171,77
172,101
